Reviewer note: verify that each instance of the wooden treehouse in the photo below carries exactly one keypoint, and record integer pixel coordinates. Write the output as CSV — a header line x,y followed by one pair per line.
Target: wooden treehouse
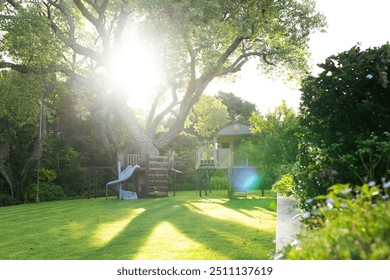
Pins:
x,y
222,155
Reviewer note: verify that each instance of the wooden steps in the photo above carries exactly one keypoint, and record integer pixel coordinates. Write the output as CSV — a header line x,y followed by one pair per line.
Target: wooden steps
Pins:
x,y
157,176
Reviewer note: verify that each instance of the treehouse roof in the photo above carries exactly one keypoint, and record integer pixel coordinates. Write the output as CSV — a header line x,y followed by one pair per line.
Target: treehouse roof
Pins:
x,y
233,131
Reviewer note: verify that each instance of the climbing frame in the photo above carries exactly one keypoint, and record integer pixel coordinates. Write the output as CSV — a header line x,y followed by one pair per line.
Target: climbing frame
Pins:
x,y
152,177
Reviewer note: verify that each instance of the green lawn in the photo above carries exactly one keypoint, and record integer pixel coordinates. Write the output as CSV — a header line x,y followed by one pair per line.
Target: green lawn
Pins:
x,y
183,227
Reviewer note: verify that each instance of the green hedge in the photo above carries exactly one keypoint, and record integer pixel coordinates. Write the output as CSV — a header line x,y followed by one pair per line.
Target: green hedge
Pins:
x,y
219,183
47,192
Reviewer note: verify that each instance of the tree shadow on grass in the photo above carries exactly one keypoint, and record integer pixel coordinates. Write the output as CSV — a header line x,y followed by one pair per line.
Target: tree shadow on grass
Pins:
x,y
224,238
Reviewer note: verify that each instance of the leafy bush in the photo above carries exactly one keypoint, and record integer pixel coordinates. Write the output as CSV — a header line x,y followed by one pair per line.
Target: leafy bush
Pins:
x,y
47,192
348,223
273,146
344,122
7,200
219,183
284,185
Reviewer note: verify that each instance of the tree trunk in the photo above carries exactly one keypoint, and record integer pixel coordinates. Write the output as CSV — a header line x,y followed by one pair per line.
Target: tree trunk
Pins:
x,y
7,176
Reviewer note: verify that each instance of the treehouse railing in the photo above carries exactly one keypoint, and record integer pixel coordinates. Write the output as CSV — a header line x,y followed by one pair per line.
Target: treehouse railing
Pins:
x,y
214,157
134,159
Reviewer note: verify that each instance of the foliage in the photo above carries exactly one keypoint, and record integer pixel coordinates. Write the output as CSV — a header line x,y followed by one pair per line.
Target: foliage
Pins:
x,y
349,223
47,175
19,126
284,185
73,175
35,45
239,110
7,200
208,116
196,42
219,182
19,98
47,192
47,189
345,122
274,143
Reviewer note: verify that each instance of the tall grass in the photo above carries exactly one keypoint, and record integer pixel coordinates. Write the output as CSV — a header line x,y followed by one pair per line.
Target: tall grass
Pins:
x,y
181,227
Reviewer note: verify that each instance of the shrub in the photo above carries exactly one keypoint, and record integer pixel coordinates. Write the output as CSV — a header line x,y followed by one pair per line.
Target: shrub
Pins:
x,y
348,223
47,192
344,119
219,183
7,200
284,185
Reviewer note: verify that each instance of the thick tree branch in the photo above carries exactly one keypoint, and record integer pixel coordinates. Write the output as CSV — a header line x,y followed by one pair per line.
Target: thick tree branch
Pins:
x,y
186,105
93,5
93,86
97,22
234,45
192,62
242,59
152,112
87,14
76,47
153,128
20,68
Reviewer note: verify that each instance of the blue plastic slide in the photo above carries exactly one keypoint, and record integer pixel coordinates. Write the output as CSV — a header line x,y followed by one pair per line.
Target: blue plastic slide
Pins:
x,y
123,176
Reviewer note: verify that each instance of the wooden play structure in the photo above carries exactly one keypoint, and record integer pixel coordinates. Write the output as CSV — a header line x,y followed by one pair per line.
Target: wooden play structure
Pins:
x,y
222,155
148,175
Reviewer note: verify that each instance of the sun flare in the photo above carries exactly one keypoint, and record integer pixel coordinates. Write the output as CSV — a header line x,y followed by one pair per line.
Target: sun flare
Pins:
x,y
134,72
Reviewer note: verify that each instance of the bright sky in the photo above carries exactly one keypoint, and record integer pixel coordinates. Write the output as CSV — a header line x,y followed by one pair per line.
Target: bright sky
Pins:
x,y
349,22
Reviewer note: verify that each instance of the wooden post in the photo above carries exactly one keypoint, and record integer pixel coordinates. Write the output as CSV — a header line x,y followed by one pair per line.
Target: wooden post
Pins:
x,y
106,192
215,152
198,188
146,191
120,184
230,187
174,183
206,181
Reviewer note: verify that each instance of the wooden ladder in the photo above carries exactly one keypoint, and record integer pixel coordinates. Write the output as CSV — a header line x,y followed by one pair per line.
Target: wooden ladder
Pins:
x,y
157,174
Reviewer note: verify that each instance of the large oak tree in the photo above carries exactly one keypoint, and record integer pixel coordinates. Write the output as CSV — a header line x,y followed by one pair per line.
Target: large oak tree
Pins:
x,y
194,42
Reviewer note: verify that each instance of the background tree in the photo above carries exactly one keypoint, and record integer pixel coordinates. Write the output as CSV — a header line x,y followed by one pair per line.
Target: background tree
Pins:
x,y
208,116
345,121
239,110
274,145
